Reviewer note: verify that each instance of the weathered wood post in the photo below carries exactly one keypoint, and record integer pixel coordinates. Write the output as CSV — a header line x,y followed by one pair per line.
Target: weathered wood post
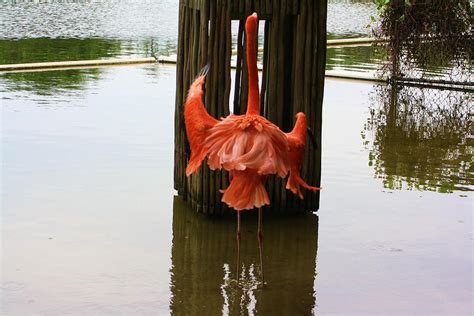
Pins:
x,y
292,81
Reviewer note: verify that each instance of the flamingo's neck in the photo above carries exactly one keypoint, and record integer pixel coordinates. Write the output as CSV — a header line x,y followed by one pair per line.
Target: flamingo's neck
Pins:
x,y
253,104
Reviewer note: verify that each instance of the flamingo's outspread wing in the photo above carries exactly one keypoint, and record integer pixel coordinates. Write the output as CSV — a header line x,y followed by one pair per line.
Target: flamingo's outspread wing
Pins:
x,y
198,122
296,143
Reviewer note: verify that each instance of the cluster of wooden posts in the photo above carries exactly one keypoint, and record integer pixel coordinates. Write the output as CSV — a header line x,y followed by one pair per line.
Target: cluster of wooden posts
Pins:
x,y
292,79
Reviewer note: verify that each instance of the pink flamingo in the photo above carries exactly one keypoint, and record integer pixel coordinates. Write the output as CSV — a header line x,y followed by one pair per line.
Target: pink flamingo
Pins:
x,y
248,146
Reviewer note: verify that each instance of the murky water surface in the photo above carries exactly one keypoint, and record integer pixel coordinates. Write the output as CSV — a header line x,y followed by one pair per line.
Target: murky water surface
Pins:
x,y
58,30
91,224
137,19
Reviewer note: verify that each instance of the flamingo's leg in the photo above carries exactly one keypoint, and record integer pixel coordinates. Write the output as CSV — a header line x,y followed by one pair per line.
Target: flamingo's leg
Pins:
x,y
260,242
238,245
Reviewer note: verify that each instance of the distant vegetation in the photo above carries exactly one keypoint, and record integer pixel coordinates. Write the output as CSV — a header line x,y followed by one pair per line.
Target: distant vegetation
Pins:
x,y
426,33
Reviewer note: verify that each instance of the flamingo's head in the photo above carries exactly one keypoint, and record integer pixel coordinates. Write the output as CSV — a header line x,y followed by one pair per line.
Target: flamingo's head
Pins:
x,y
251,24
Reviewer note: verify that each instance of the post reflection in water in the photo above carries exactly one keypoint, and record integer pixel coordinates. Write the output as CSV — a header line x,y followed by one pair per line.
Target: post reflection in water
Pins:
x,y
204,264
421,138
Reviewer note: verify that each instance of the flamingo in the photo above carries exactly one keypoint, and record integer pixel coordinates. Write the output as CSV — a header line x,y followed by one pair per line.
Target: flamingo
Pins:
x,y
248,146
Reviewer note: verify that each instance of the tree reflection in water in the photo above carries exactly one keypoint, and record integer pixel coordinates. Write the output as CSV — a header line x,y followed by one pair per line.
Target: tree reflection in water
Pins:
x,y
54,82
71,81
203,264
421,138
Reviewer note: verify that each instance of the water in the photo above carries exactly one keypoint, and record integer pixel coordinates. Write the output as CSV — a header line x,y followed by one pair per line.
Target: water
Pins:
x,y
137,19
91,224
120,19
91,166
57,30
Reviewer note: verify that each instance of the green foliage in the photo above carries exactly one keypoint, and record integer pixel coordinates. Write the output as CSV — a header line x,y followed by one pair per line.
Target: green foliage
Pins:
x,y
410,24
381,5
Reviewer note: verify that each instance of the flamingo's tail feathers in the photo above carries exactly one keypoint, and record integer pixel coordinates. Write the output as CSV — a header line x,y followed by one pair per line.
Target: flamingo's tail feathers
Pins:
x,y
206,68
295,182
197,121
198,84
246,191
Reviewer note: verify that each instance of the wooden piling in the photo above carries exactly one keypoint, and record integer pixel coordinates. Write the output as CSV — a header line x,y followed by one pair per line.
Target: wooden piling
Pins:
x,y
292,81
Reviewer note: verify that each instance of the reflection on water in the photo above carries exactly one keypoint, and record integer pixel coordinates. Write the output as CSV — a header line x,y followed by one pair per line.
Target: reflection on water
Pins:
x,y
74,30
354,58
86,196
204,256
88,225
51,83
62,82
50,88
58,82
46,49
421,139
